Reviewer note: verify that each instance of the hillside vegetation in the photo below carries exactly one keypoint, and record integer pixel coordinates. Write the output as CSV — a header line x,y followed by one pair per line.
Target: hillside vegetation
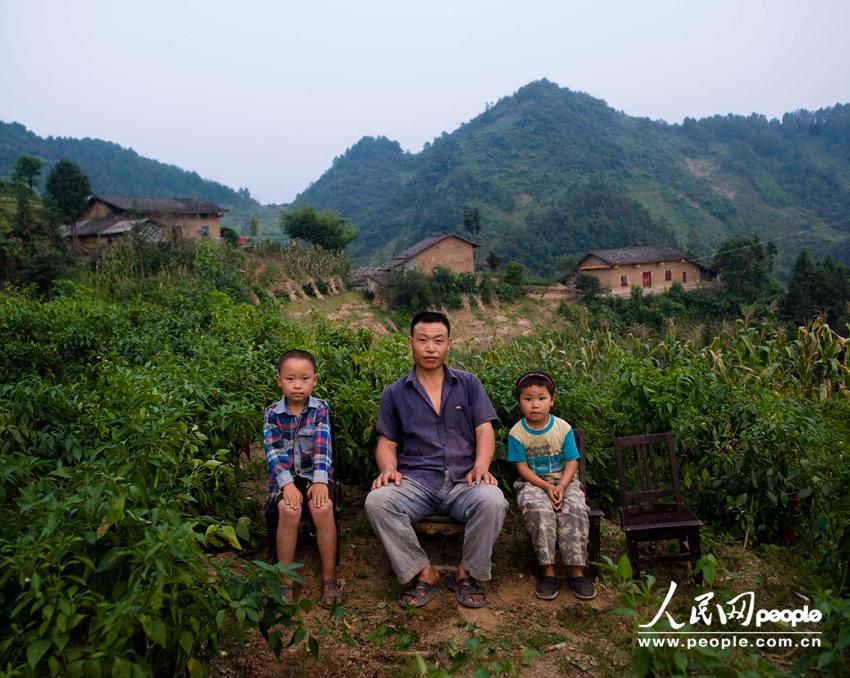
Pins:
x,y
115,170
556,172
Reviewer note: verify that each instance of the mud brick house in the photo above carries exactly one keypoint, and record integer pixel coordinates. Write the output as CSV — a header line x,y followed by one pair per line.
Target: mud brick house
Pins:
x,y
108,217
447,250
655,269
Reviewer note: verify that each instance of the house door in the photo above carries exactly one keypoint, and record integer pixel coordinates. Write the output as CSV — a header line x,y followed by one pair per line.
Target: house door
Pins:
x,y
646,278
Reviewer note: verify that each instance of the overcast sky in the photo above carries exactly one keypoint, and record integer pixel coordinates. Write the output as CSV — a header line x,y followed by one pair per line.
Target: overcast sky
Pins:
x,y
265,94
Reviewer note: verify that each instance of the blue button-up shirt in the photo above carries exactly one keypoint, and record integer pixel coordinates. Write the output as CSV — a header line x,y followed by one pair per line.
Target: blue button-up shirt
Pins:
x,y
428,443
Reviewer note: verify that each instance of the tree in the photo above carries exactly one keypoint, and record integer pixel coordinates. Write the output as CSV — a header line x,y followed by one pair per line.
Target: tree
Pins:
x,y
32,250
326,229
745,266
567,264
494,261
68,191
588,286
472,221
817,288
27,170
254,228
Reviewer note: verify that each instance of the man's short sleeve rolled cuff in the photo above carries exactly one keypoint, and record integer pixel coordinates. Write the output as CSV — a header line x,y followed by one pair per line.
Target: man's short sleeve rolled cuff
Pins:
x,y
388,425
283,478
320,477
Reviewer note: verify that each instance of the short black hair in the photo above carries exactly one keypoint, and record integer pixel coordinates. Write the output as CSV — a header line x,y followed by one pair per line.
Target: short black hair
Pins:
x,y
430,317
534,379
296,353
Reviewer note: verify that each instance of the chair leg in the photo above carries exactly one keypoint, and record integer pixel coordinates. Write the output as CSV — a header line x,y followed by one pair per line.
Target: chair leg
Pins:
x,y
531,557
593,547
271,536
695,550
634,558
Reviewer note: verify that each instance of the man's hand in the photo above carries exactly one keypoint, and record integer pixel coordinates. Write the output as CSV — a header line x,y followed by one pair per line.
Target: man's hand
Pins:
x,y
476,475
556,496
387,476
292,496
318,494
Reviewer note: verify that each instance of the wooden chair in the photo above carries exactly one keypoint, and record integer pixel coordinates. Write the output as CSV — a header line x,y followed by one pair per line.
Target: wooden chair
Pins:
x,y
651,506
594,543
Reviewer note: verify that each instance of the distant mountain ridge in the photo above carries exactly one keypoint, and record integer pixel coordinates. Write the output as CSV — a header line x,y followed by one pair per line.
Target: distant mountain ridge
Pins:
x,y
555,172
551,172
113,169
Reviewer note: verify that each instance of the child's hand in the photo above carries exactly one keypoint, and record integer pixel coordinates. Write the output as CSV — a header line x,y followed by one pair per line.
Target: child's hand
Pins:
x,y
292,496
556,496
318,494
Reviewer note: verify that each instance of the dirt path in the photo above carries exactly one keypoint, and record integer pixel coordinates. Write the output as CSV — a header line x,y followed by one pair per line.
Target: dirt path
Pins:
x,y
472,326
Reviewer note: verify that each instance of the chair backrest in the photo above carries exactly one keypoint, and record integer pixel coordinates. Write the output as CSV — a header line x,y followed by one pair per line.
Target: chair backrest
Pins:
x,y
649,472
582,462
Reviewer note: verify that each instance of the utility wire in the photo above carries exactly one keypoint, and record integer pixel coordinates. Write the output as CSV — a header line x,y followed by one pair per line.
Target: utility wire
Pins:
x,y
764,242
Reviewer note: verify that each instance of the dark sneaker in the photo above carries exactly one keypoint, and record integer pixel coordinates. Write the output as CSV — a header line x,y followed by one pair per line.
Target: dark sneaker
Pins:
x,y
582,587
547,588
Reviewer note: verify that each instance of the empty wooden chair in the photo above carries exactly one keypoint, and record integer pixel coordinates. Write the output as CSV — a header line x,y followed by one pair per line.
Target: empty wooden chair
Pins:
x,y
651,506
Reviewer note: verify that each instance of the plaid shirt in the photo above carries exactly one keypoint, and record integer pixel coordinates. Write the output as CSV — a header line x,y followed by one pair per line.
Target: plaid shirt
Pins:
x,y
297,445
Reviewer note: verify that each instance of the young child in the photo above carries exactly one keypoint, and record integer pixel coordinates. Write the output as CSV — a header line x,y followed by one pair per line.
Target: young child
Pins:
x,y
297,443
548,493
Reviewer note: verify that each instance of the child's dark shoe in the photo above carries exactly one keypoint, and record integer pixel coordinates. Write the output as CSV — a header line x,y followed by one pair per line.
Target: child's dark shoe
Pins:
x,y
547,588
582,587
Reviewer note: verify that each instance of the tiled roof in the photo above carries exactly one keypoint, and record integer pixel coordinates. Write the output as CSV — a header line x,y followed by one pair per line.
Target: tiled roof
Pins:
x,y
159,205
111,225
420,247
636,255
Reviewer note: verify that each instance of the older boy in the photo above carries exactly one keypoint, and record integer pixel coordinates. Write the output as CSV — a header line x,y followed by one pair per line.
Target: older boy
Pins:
x,y
435,446
297,443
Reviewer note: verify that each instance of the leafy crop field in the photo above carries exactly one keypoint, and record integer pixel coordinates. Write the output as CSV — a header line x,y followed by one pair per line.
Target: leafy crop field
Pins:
x,y
124,404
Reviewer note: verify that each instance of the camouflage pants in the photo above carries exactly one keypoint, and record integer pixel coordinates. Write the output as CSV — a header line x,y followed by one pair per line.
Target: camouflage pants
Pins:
x,y
563,533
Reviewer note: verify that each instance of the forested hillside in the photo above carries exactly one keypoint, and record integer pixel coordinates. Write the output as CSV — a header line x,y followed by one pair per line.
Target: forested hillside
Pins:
x,y
115,170
555,172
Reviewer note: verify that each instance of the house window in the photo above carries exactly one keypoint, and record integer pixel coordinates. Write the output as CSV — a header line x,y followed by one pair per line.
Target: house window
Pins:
x,y
668,274
684,276
646,278
624,281
205,231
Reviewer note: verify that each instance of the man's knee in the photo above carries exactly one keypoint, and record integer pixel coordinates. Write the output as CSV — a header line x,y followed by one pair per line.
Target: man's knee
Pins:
x,y
489,499
378,502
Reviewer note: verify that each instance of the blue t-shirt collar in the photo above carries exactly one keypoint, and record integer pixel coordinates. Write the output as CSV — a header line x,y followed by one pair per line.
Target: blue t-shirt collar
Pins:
x,y
538,431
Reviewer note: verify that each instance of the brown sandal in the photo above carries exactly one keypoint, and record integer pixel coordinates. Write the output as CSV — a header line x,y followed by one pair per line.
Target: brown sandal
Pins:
x,y
331,592
287,593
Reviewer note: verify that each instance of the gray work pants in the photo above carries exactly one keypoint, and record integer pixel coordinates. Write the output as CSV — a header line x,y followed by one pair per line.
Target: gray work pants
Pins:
x,y
392,510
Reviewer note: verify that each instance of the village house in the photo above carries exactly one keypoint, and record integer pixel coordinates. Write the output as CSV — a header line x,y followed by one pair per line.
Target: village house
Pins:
x,y
156,219
654,269
447,250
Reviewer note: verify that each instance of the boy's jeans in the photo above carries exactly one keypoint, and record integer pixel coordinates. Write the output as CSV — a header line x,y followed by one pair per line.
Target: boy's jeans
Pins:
x,y
392,510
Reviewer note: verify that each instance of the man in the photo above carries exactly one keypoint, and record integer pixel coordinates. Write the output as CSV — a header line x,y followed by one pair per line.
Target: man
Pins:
x,y
435,447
